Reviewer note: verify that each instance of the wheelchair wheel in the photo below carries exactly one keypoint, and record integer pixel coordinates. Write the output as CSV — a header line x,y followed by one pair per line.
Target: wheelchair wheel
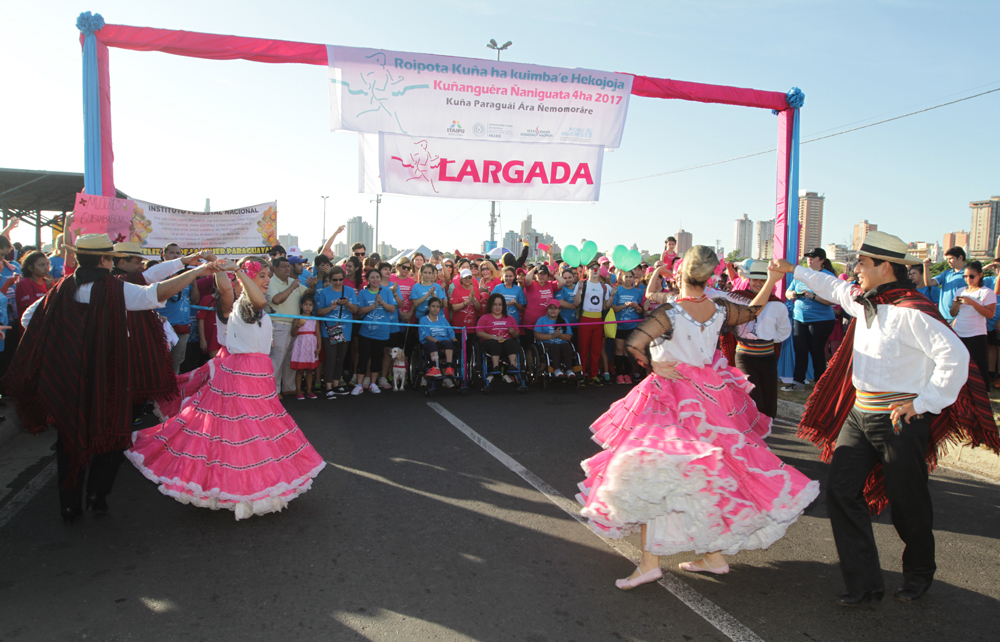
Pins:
x,y
417,368
474,366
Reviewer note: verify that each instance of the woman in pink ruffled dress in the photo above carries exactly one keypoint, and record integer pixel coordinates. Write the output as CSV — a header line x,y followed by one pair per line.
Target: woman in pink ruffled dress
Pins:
x,y
683,459
233,445
189,383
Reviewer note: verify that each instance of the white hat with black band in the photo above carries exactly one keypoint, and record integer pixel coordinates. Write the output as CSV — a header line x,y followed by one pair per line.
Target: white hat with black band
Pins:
x,y
886,247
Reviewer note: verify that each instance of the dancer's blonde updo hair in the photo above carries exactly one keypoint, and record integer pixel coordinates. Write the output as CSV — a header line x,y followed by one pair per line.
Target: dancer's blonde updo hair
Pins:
x,y
699,265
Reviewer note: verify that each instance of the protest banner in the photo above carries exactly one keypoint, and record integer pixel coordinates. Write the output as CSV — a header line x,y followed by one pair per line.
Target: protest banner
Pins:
x,y
102,215
227,233
444,168
426,95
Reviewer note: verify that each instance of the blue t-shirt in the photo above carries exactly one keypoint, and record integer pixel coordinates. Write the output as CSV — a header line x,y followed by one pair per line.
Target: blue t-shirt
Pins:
x,y
546,325
56,264
177,308
950,282
378,332
3,316
306,275
5,274
807,310
511,295
932,292
325,298
419,290
568,314
438,329
990,282
628,295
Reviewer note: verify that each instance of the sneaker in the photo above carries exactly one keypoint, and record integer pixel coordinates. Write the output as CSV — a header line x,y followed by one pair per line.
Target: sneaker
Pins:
x,y
366,382
312,395
341,390
358,389
433,372
607,377
621,380
448,383
489,379
373,388
558,374
383,383
300,397
507,378
449,372
330,394
354,380
794,386
596,381
570,374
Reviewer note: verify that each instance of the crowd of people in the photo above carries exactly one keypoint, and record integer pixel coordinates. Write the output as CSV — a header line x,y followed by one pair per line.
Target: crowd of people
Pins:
x,y
212,345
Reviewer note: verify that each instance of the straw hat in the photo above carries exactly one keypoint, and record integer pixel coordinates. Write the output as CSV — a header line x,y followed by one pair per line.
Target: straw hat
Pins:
x,y
132,248
886,247
757,270
95,244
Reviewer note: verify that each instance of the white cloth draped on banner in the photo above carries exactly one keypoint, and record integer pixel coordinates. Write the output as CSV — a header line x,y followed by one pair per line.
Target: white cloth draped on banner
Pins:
x,y
425,95
228,233
445,168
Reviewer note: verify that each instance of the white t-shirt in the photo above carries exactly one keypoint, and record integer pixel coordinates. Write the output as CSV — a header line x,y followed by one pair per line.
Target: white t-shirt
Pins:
x,y
969,323
594,295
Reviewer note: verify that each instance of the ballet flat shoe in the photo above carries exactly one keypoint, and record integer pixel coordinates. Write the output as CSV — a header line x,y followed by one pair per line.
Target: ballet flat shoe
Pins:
x,y
860,598
649,576
692,567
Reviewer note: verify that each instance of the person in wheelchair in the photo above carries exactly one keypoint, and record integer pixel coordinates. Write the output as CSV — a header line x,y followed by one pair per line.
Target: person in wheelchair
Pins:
x,y
555,340
498,332
437,336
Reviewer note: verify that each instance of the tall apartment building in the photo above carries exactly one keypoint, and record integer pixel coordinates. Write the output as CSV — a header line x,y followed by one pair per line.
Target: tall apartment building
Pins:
x,y
743,239
923,250
839,253
763,240
341,250
532,237
684,242
360,232
985,227
860,231
956,239
288,240
510,242
810,221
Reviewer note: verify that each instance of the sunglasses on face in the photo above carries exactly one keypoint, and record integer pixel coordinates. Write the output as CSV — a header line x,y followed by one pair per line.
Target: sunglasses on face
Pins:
x,y
359,254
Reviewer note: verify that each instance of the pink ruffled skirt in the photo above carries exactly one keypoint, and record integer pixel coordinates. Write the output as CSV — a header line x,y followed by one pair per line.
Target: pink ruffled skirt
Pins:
x,y
189,384
232,445
687,458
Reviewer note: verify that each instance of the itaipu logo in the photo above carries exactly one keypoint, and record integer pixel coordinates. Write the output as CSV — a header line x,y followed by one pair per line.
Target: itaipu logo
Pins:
x,y
455,129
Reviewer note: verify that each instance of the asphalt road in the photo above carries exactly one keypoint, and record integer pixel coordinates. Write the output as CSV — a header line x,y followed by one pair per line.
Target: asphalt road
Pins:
x,y
415,532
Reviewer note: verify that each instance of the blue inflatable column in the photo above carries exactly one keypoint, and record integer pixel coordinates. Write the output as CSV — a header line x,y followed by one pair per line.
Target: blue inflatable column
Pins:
x,y
88,23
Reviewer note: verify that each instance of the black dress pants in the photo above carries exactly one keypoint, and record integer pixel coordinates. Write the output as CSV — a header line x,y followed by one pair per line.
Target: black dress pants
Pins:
x,y
809,340
762,372
103,470
866,439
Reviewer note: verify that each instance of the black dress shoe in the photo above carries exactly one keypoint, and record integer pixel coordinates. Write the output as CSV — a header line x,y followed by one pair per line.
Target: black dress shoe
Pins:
x,y
97,503
911,591
860,598
69,514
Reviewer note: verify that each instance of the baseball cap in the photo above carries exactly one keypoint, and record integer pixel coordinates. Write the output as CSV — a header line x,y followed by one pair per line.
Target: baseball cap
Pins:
x,y
817,253
542,269
293,250
295,260
465,273
553,303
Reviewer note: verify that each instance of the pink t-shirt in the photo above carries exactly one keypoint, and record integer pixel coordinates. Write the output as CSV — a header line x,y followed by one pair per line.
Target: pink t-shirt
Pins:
x,y
538,299
499,328
404,293
466,316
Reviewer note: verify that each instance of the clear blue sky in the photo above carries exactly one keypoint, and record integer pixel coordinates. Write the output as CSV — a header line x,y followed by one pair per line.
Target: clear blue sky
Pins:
x,y
242,132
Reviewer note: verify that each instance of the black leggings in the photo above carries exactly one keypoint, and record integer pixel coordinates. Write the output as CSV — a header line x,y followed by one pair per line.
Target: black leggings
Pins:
x,y
809,339
333,364
979,354
369,350
507,348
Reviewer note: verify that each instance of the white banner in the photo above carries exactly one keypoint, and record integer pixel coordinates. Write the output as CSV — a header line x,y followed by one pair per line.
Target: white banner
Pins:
x,y
229,233
373,90
445,168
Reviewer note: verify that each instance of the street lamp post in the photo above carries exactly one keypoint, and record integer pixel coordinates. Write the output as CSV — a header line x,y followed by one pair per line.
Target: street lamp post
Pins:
x,y
376,200
492,44
324,216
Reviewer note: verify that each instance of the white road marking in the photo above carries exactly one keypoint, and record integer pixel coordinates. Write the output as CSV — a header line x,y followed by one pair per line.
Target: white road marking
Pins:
x,y
708,610
24,495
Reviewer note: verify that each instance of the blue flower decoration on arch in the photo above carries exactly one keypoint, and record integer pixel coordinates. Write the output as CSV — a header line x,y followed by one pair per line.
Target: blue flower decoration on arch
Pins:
x,y
795,99
88,23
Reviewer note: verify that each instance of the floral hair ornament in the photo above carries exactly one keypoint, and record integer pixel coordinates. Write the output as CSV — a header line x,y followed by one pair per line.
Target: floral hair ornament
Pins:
x,y
252,268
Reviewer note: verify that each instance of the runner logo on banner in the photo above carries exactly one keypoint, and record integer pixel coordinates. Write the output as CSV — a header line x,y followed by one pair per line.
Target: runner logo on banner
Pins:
x,y
445,168
373,90
228,233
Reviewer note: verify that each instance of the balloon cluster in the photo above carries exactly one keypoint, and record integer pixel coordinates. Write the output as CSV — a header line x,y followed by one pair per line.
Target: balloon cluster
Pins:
x,y
623,258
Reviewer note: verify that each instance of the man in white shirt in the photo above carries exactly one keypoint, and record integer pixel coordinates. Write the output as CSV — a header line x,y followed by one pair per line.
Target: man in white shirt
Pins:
x,y
283,296
909,367
73,365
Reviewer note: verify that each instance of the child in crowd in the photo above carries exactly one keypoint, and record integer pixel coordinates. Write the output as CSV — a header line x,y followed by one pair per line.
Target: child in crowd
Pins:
x,y
627,305
427,288
436,336
335,303
512,293
305,347
552,332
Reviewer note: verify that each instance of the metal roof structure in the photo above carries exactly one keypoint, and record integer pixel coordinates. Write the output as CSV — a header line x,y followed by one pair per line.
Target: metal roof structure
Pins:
x,y
27,193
